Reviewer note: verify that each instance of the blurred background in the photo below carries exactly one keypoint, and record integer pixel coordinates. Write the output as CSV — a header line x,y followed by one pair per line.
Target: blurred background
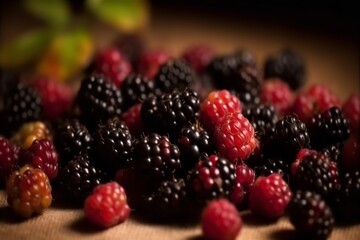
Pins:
x,y
35,34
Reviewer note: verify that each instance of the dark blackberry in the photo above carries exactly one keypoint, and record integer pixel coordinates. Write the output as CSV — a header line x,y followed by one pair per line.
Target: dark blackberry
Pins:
x,y
98,99
316,172
262,117
21,104
155,158
288,66
169,113
286,139
245,57
168,201
238,74
174,75
327,128
79,177
345,204
70,139
334,152
213,177
136,88
113,145
274,166
310,215
193,143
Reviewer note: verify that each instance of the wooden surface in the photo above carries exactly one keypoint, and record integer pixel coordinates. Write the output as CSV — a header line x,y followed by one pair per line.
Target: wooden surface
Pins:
x,y
331,60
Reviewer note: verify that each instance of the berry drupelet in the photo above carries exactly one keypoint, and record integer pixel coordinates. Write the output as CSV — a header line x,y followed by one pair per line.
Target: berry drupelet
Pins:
x,y
310,215
274,166
29,132
9,157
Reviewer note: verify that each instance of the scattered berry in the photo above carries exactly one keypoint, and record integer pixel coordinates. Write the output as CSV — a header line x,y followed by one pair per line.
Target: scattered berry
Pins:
x,y
245,178
351,155
198,57
150,62
9,156
132,119
351,110
29,132
323,97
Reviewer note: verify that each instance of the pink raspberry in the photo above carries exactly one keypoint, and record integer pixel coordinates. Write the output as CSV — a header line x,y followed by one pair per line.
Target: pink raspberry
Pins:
x,y
150,62
198,57
132,119
351,110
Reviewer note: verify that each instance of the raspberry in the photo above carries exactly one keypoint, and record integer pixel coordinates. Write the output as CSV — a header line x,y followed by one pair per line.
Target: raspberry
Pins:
x,y
98,100
71,138
327,128
30,132
198,57
132,119
351,155
221,220
323,97
112,64
234,137
288,66
9,156
269,196
303,106
29,191
56,97
107,205
216,105
174,75
212,177
351,110
131,46
310,215
41,154
150,62
277,93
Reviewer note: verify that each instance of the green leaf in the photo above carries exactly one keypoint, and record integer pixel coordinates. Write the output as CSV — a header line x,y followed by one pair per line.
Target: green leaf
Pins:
x,y
125,15
23,49
54,12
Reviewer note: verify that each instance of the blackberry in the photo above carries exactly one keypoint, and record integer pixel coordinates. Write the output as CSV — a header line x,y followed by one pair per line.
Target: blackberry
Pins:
x,y
288,66
168,201
21,104
286,139
334,152
262,117
193,142
327,128
169,113
155,158
136,88
245,57
213,177
310,215
98,99
174,75
274,166
346,201
113,145
79,177
316,172
70,139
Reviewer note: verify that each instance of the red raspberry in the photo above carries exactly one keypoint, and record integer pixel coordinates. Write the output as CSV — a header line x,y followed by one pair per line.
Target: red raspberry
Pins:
x,y
234,137
277,93
56,97
245,178
221,220
269,196
150,62
216,105
132,119
42,154
303,107
107,205
351,110
29,191
198,57
9,156
113,65
351,154
323,97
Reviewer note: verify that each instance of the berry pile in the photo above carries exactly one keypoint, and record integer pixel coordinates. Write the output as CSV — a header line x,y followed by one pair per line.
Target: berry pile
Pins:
x,y
172,137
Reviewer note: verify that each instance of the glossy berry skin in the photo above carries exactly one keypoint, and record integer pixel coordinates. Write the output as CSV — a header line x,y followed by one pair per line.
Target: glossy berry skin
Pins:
x,y
221,220
42,154
150,62
278,94
113,65
245,178
351,110
29,132
234,137
198,57
9,157
107,205
269,196
310,215
216,105
29,191
132,118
